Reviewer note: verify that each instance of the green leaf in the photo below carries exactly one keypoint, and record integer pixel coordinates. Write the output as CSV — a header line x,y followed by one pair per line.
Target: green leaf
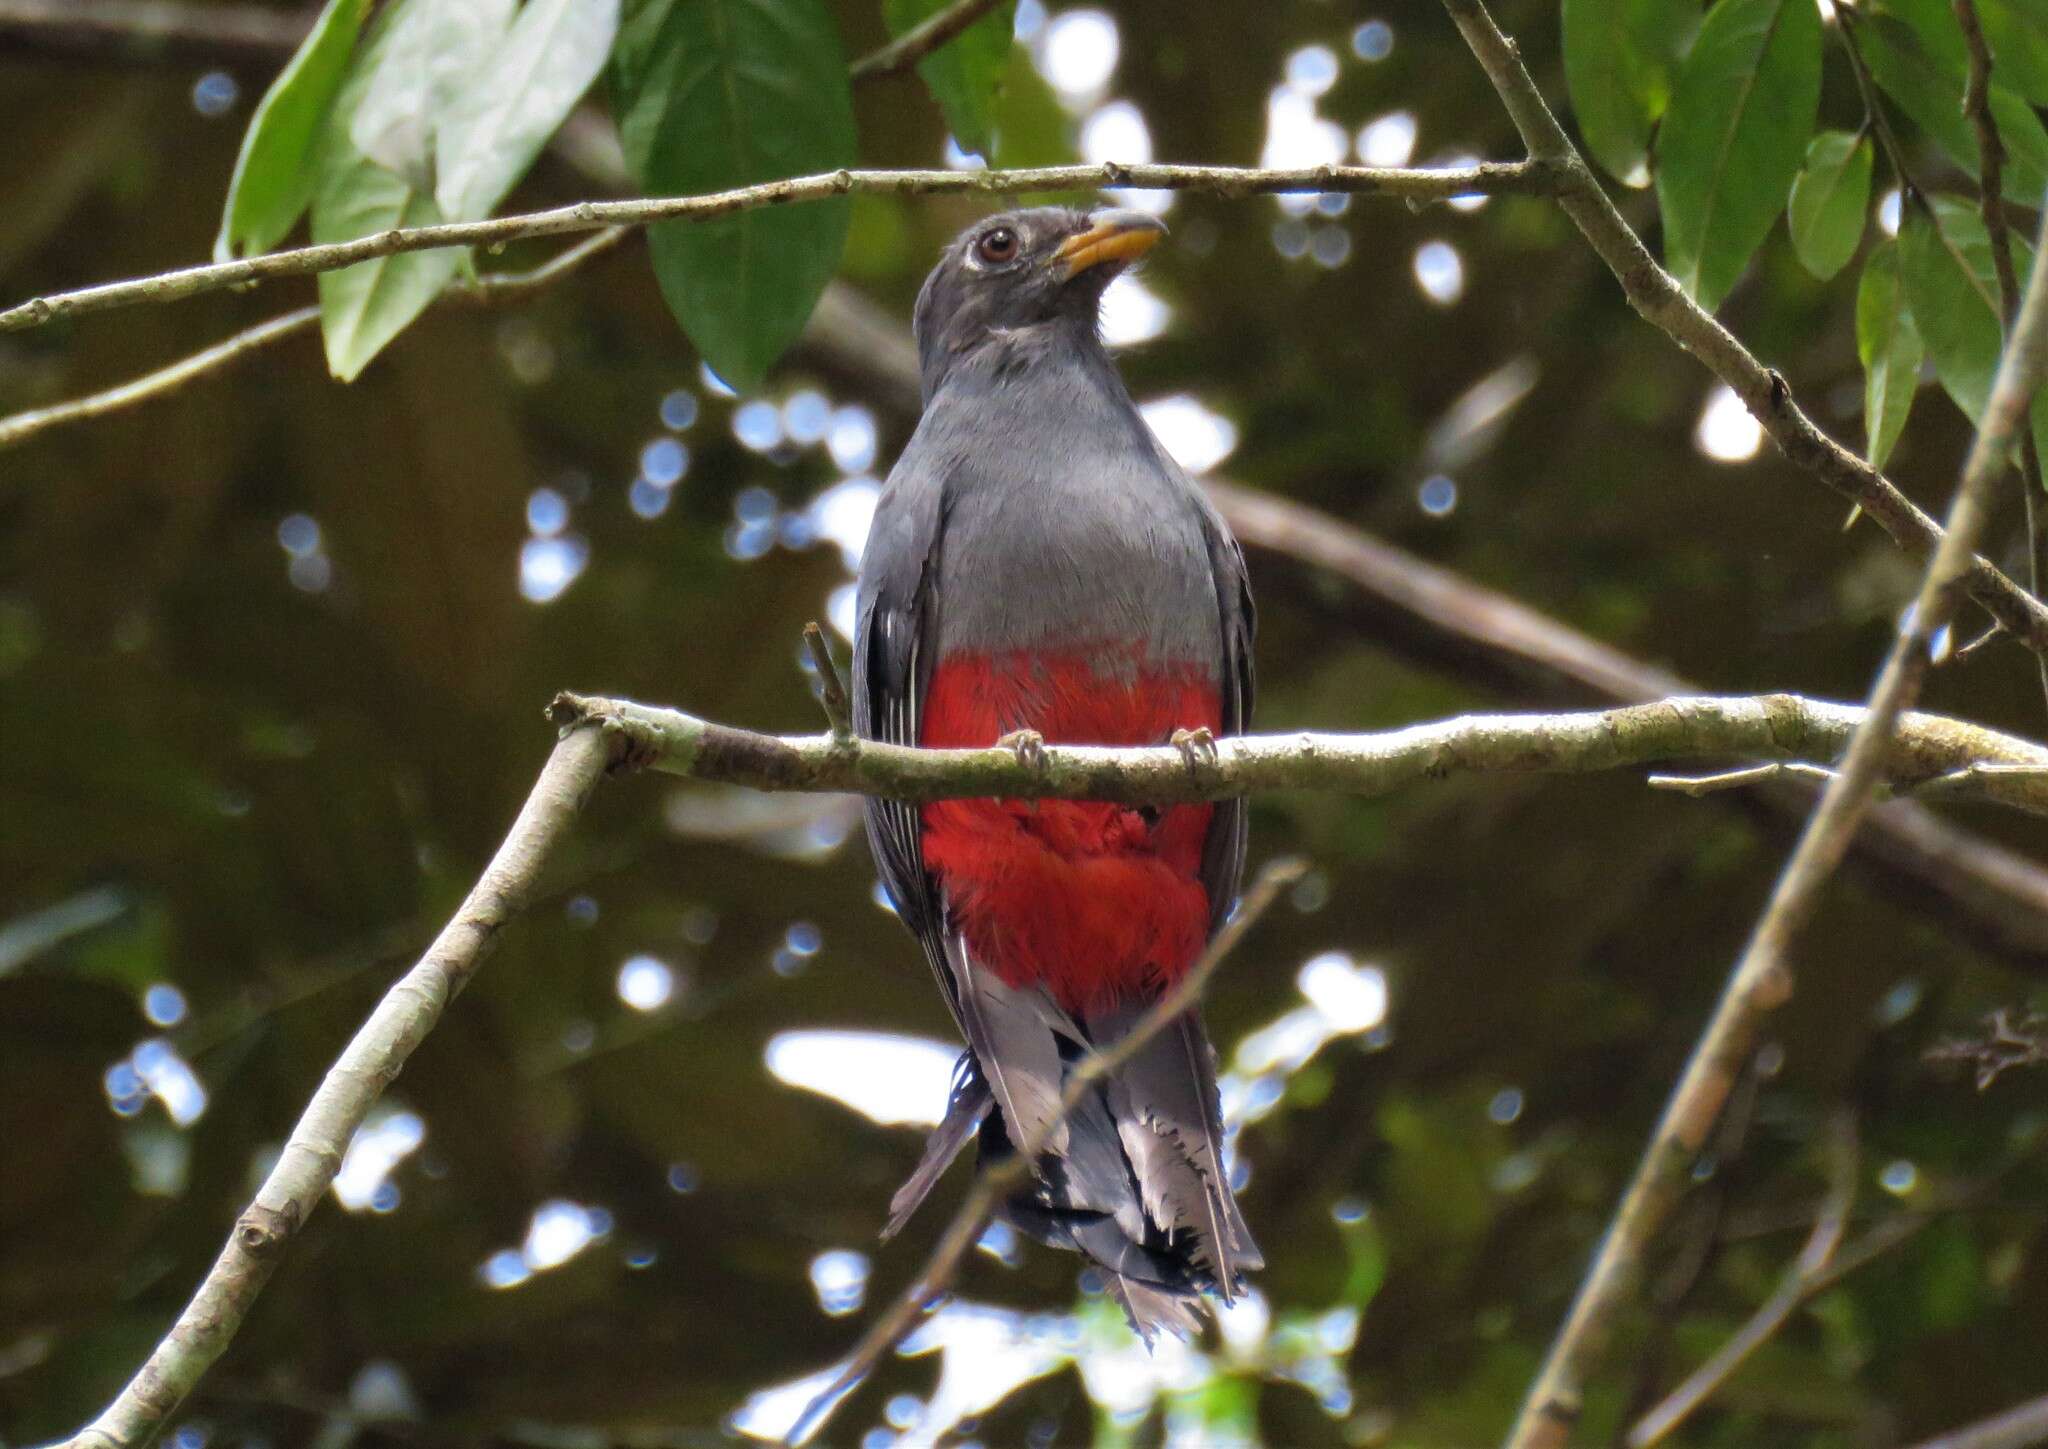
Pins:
x,y
1830,199
1926,77
433,50
1889,345
364,306
1732,140
273,177
1945,265
713,94
2017,32
1030,124
1621,61
489,133
962,74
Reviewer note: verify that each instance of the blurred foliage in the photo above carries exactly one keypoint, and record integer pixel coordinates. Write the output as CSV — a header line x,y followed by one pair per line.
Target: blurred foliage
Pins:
x,y
258,762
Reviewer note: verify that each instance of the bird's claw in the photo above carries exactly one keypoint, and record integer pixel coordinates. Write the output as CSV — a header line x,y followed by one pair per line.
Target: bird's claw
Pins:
x,y
1196,746
1028,746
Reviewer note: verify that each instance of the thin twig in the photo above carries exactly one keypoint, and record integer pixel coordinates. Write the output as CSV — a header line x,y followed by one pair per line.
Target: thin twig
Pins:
x,y
2016,1428
1793,1290
312,1155
998,1180
1365,765
831,693
22,426
907,49
1762,978
1412,185
1991,204
1874,114
1699,786
1655,294
490,289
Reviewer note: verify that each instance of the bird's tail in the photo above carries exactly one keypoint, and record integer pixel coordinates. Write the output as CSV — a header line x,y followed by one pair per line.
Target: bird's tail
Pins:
x,y
1134,1178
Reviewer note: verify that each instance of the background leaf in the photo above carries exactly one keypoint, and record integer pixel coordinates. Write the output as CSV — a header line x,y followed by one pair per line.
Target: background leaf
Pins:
x,y
364,306
714,94
1830,199
964,73
1945,265
1889,345
1733,139
491,130
1926,76
273,177
1620,62
433,51
2017,31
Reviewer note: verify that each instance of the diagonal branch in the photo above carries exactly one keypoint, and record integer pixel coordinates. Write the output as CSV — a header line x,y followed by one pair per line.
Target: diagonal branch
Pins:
x,y
312,1155
996,1181
1991,204
1401,184
914,44
1655,294
1762,978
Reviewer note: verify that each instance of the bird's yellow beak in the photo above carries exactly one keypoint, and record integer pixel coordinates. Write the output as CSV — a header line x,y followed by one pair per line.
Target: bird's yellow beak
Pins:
x,y
1112,236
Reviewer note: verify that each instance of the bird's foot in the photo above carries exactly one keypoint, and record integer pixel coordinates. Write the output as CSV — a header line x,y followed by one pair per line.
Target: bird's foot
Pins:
x,y
1197,746
1029,748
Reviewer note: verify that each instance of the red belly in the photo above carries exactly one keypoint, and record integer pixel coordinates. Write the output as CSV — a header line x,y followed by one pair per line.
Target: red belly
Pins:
x,y
1093,901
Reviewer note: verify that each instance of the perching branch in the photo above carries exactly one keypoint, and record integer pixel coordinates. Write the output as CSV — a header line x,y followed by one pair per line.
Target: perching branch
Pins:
x,y
1402,184
311,1157
1774,726
489,289
1655,294
1762,977
999,1180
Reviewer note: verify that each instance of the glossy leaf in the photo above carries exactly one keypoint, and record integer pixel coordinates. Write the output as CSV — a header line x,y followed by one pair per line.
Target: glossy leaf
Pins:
x,y
273,177
434,50
713,94
364,306
1926,77
1946,267
962,74
1889,345
1733,139
1830,200
490,131
2017,31
1621,61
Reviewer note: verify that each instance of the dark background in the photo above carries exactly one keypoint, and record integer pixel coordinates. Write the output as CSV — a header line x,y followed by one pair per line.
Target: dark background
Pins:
x,y
268,797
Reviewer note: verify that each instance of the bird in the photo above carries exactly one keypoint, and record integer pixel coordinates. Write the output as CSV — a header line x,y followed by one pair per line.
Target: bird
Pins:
x,y
1039,569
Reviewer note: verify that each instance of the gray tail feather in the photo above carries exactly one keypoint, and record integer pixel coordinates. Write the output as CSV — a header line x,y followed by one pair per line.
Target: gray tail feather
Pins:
x,y
1152,1309
1134,1179
969,1104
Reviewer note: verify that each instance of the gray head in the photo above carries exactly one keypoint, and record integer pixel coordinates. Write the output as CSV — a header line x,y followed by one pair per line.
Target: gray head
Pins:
x,y
1024,269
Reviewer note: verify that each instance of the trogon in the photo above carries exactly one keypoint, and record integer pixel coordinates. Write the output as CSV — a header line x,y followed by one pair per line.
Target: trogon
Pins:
x,y
1039,569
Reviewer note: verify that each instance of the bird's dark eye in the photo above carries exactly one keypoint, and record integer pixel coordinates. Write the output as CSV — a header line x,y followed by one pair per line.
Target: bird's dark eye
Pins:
x,y
997,245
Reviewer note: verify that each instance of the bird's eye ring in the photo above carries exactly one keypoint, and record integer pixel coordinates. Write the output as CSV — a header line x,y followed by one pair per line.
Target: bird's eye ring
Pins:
x,y
997,245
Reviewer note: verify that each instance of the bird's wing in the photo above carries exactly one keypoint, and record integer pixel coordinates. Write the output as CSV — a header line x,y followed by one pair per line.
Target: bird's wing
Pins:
x,y
1223,851
895,616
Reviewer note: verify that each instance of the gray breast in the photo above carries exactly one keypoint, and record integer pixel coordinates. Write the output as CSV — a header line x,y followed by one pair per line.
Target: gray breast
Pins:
x,y
1065,524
